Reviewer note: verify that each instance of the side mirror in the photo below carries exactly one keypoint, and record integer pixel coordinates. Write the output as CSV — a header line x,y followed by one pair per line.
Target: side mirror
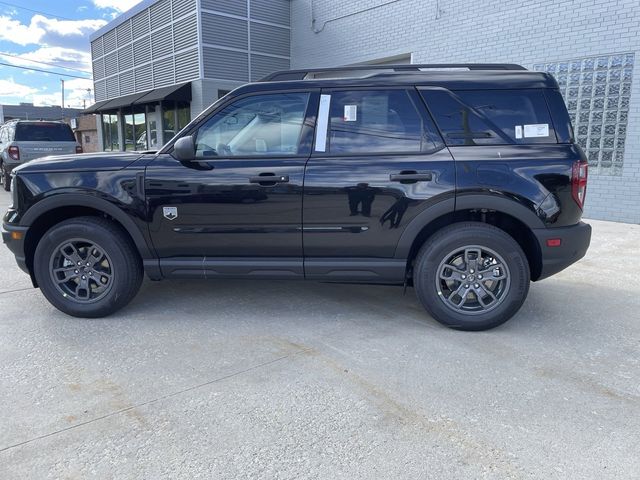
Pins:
x,y
184,149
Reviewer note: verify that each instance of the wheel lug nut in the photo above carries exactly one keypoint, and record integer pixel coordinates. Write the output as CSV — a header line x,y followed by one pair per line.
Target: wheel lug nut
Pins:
x,y
76,271
87,264
79,263
476,285
480,276
466,286
464,276
471,270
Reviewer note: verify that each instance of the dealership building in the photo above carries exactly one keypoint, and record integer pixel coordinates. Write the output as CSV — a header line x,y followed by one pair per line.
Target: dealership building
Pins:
x,y
161,63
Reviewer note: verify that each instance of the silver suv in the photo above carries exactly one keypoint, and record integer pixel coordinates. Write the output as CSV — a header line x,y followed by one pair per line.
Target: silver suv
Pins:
x,y
24,140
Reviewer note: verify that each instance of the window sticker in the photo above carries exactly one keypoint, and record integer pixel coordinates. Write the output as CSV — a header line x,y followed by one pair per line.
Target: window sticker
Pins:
x,y
518,131
536,130
350,113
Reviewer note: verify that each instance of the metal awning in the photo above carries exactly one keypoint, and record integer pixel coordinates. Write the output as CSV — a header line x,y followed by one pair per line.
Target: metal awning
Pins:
x,y
95,107
180,92
119,102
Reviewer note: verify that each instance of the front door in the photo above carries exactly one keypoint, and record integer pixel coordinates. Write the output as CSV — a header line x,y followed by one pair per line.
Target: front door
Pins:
x,y
241,194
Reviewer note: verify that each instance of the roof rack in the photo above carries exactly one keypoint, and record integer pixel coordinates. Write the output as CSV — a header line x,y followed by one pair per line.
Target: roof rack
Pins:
x,y
302,74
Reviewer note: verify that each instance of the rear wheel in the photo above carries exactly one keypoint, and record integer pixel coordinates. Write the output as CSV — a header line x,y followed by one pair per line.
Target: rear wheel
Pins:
x,y
5,178
471,276
87,267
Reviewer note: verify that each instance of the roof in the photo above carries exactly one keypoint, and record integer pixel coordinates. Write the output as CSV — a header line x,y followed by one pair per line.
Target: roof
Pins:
x,y
32,112
452,80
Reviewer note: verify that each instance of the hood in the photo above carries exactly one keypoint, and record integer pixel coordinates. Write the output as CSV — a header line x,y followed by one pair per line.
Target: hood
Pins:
x,y
84,162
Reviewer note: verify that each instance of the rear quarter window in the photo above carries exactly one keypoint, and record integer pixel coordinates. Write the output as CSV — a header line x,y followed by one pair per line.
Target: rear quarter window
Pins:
x,y
491,117
44,132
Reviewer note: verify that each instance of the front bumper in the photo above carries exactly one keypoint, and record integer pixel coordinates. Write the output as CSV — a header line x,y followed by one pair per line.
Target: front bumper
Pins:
x,y
13,237
574,242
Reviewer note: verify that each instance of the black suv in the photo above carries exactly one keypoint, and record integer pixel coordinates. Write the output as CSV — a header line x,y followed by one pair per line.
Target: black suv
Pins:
x,y
463,181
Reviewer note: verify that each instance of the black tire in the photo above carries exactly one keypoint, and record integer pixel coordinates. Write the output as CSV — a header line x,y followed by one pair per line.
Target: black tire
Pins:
x,y
437,277
6,178
86,239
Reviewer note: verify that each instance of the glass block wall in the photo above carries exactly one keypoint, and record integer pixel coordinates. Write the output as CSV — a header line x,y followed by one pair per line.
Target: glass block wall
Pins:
x,y
596,91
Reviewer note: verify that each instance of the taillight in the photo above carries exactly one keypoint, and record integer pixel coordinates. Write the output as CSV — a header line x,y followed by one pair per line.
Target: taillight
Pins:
x,y
14,152
579,182
78,149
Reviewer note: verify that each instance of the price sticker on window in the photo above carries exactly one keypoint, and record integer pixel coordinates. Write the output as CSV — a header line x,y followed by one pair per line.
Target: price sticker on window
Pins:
x,y
350,113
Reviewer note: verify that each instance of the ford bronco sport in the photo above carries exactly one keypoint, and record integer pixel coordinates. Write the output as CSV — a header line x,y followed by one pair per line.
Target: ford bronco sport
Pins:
x,y
463,181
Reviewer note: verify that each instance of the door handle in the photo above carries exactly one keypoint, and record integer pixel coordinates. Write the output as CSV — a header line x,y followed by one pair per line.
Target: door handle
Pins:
x,y
411,177
269,179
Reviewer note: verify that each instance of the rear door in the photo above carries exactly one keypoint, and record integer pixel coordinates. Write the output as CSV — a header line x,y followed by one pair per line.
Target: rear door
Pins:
x,y
40,139
377,163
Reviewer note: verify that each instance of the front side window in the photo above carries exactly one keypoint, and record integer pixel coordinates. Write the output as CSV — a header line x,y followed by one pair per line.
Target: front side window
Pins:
x,y
262,125
491,117
378,121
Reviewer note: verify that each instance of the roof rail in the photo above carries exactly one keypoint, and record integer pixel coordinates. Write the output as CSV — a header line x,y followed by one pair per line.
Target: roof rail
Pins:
x,y
404,68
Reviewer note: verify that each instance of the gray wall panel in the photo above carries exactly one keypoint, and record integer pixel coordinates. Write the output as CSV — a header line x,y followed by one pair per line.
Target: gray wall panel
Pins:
x,y
111,64
98,69
112,87
224,31
269,39
225,64
185,33
186,66
125,58
261,66
100,90
96,48
234,7
143,78
163,73
140,24
162,42
109,40
275,11
127,85
142,50
183,7
160,13
123,33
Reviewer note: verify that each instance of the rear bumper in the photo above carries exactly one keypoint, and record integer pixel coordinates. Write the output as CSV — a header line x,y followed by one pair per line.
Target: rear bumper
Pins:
x,y
16,245
574,242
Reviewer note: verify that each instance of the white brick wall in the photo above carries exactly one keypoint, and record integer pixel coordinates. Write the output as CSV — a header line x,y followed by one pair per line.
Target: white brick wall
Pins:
x,y
455,31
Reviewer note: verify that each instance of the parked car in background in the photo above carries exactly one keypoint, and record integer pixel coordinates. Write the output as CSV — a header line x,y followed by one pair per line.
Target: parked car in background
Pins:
x,y
25,140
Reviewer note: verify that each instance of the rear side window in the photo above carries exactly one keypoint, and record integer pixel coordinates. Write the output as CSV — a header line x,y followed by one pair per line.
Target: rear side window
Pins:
x,y
378,121
44,132
491,117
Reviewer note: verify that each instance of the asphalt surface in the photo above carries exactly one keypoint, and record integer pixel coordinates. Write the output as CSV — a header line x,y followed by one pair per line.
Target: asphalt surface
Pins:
x,y
270,380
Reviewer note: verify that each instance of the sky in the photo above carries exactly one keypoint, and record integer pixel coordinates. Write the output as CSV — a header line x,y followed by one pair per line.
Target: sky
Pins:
x,y
56,33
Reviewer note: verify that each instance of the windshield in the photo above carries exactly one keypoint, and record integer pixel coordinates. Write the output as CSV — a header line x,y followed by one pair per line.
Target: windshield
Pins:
x,y
43,132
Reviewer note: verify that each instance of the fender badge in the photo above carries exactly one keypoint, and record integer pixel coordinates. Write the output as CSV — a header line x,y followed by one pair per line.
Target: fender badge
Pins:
x,y
170,213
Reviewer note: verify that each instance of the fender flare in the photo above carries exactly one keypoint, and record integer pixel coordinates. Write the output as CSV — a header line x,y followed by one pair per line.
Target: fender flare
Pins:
x,y
464,202
97,203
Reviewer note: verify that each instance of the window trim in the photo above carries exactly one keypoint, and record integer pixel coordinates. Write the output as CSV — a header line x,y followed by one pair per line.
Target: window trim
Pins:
x,y
420,108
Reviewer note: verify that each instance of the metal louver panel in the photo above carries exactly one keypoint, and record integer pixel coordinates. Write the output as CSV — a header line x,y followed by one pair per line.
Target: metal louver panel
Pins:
x,y
187,67
261,66
163,72
142,78
269,39
100,90
160,14
235,7
140,24
123,32
142,51
109,40
183,7
125,57
98,69
225,64
162,42
96,48
111,64
127,85
274,11
185,33
224,31
112,87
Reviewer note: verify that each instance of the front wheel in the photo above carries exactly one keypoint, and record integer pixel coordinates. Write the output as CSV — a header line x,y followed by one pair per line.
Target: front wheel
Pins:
x,y
471,276
87,267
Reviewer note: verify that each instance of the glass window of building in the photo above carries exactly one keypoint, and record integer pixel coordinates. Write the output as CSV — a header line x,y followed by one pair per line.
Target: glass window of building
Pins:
x,y
110,127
